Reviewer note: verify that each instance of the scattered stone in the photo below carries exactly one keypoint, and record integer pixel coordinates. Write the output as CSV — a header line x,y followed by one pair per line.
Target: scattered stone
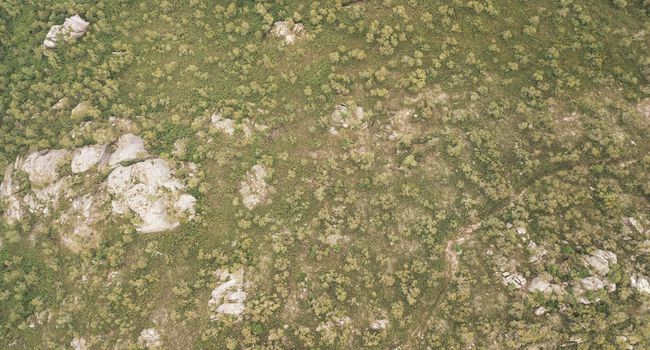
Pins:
x,y
180,148
150,338
61,104
379,324
78,343
333,240
72,28
342,321
228,297
230,127
148,189
640,283
402,126
129,148
224,125
86,157
248,126
514,279
537,253
634,223
254,188
600,260
122,125
290,34
540,311
342,117
539,284
593,283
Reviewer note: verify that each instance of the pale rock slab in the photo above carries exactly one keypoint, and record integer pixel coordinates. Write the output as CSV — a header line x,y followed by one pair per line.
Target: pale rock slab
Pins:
x,y
150,338
599,263
42,170
249,127
592,283
60,104
539,284
228,297
379,324
537,252
543,284
129,147
254,189
284,30
78,343
150,191
224,125
43,167
72,28
640,283
600,260
514,279
230,127
636,224
333,240
87,157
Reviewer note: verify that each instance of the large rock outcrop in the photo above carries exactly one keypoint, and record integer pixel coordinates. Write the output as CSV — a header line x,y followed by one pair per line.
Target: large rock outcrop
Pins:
x,y
72,28
42,185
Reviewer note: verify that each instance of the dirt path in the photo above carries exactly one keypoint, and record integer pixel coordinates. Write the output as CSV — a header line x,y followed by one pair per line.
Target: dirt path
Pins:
x,y
450,252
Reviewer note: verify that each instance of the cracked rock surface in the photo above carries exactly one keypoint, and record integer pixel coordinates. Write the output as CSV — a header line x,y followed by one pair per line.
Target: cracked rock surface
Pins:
x,y
72,28
68,186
